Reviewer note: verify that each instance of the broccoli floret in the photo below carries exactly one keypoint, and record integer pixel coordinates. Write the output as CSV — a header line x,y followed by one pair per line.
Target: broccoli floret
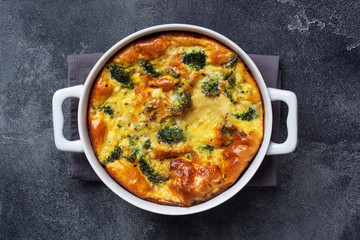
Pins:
x,y
231,81
232,62
171,134
230,89
227,127
147,144
210,88
249,115
151,106
149,172
148,68
132,141
206,148
121,74
195,59
107,110
227,73
172,72
132,157
180,100
115,154
133,149
229,94
228,130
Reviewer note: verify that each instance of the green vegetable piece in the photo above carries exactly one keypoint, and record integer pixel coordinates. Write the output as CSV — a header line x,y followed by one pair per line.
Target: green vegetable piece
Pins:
x,y
249,115
231,81
149,172
232,62
115,154
108,110
148,68
132,141
132,157
173,73
180,100
133,150
210,88
195,59
227,127
230,90
228,130
121,74
171,134
147,144
229,94
206,148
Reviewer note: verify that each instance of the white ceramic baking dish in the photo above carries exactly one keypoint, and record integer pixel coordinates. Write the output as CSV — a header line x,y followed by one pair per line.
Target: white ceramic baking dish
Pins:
x,y
84,145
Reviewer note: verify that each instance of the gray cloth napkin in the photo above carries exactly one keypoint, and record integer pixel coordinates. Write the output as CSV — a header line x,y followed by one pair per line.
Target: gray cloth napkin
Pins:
x,y
79,66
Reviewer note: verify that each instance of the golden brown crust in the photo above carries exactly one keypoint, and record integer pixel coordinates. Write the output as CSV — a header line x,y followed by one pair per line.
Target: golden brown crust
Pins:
x,y
183,173
157,45
97,131
100,92
193,180
129,177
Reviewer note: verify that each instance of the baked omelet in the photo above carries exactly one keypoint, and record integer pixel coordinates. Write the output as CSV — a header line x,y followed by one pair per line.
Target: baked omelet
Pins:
x,y
175,118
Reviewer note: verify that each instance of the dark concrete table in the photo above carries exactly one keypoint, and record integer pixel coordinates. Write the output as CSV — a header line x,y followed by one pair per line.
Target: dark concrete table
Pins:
x,y
318,186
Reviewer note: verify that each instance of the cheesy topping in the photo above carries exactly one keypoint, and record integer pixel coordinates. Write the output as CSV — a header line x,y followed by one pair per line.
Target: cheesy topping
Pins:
x,y
175,118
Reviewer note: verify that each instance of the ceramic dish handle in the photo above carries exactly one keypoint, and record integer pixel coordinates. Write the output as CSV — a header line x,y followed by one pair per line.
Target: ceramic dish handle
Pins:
x,y
58,118
291,122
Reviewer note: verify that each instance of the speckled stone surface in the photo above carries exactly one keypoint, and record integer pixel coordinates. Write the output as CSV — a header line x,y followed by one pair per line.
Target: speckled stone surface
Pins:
x,y
318,194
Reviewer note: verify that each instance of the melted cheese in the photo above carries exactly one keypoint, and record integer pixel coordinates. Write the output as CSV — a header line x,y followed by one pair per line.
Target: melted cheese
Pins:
x,y
217,135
